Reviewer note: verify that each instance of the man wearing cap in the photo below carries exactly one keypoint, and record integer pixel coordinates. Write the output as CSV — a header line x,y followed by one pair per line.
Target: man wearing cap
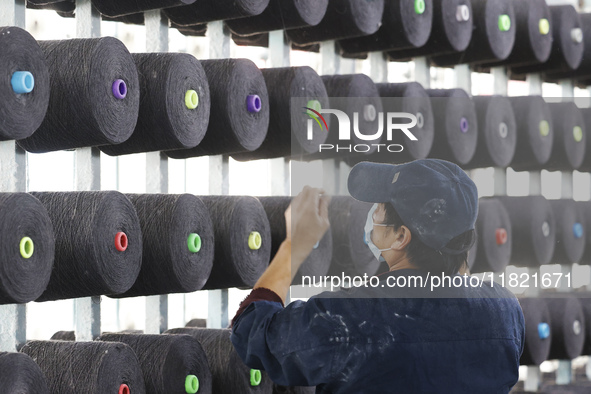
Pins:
x,y
385,339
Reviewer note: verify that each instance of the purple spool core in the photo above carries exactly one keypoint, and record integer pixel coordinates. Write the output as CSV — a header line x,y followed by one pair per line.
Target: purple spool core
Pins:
x,y
253,103
464,126
119,89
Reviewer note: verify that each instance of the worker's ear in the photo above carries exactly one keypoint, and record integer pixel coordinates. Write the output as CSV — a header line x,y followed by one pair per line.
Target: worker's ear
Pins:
x,y
402,238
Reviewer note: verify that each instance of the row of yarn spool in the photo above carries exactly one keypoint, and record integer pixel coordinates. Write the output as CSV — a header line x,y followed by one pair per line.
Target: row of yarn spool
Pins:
x,y
181,360
188,108
526,36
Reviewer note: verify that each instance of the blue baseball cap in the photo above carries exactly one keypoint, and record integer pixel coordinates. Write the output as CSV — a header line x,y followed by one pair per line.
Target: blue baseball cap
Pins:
x,y
434,198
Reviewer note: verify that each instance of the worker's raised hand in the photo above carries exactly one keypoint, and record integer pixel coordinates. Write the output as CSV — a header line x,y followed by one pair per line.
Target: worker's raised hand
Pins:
x,y
307,220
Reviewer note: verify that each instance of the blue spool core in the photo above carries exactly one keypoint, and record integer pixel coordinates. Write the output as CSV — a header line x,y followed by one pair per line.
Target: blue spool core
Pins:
x,y
22,82
543,330
578,230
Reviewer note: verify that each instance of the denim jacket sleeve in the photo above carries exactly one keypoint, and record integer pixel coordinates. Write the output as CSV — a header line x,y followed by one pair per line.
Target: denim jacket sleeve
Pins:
x,y
294,345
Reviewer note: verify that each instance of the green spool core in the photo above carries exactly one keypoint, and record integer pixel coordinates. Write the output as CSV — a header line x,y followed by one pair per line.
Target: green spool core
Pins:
x,y
315,105
191,99
191,384
194,242
504,22
420,6
255,240
544,26
578,133
255,377
544,128
27,247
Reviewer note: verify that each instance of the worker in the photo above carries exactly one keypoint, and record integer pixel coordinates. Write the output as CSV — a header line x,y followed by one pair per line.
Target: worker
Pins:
x,y
454,338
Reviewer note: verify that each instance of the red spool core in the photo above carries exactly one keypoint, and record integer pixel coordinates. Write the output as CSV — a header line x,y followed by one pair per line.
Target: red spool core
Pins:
x,y
121,241
124,389
501,235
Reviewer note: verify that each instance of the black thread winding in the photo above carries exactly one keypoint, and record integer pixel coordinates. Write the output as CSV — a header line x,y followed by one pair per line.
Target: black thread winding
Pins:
x,y
20,374
60,6
293,390
402,28
535,133
232,127
350,253
497,139
533,230
234,219
568,336
22,278
229,373
448,34
343,19
131,19
197,323
115,8
492,254
83,110
21,113
167,360
570,137
489,43
570,245
87,262
451,108
535,350
281,15
318,261
203,11
165,122
584,208
87,367
168,265
290,89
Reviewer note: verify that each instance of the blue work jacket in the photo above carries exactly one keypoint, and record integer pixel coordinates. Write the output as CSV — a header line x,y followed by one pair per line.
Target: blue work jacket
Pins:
x,y
376,340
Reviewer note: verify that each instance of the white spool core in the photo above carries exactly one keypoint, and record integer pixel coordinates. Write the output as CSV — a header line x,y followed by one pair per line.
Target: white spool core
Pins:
x,y
463,13
369,113
576,35
503,130
420,120
577,327
545,229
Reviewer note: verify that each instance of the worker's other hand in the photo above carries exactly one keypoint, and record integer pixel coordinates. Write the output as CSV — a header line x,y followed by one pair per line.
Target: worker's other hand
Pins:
x,y
306,221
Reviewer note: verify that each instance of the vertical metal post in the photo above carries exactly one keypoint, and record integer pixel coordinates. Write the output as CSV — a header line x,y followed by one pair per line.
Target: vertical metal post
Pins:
x,y
463,77
423,72
87,311
156,170
13,178
219,48
500,88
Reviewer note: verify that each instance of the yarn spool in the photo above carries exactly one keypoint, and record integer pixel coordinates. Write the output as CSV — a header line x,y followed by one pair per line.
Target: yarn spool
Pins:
x,y
24,91
281,15
493,227
584,208
64,336
533,230
131,19
567,327
94,95
173,364
239,117
451,31
353,93
20,374
567,44
175,105
454,110
229,373
586,114
98,244
60,6
350,253
533,40
202,11
570,232
87,367
27,246
254,40
405,24
497,138
318,262
535,133
343,19
570,137
583,72
191,31
197,323
115,8
178,244
242,241
291,90
293,390
493,36
538,335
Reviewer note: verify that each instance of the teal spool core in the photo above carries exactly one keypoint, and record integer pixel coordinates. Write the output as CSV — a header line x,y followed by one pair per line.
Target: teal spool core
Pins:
x,y
22,82
543,330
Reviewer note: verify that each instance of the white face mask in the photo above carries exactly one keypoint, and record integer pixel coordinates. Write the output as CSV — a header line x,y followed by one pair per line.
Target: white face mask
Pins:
x,y
377,252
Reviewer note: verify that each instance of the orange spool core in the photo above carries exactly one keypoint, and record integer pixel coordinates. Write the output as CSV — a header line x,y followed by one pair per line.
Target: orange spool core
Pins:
x,y
501,235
